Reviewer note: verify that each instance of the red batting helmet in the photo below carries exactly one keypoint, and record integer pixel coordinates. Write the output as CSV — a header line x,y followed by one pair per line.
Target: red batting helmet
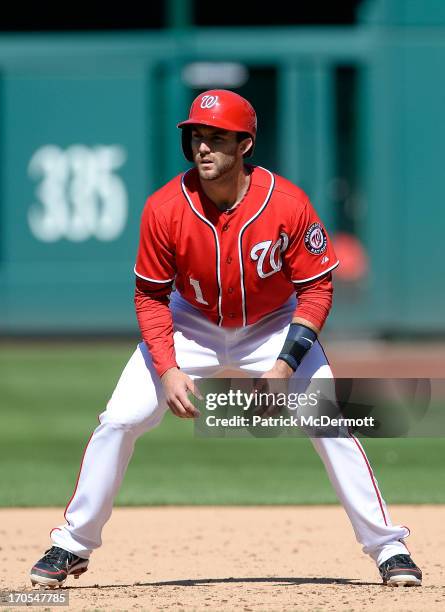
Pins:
x,y
223,109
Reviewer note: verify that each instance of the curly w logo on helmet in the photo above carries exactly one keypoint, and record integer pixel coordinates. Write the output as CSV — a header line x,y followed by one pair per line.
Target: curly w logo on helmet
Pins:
x,y
209,101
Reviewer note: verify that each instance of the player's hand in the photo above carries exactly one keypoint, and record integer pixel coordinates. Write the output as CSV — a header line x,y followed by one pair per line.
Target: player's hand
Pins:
x,y
280,369
281,372
176,386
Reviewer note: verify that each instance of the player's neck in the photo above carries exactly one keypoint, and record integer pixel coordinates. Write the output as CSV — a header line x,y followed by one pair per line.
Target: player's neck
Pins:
x,y
227,191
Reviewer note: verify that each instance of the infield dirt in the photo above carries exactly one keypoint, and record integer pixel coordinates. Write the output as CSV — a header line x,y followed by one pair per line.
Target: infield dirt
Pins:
x,y
231,558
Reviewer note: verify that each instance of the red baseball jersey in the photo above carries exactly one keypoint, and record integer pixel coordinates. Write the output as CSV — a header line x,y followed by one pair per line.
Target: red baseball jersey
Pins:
x,y
238,265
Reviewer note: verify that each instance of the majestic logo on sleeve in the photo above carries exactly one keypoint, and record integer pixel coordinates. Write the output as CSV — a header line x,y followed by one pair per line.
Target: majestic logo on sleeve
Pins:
x,y
315,239
268,255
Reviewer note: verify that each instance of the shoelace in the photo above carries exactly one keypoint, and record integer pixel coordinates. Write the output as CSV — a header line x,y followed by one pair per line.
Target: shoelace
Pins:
x,y
399,560
54,554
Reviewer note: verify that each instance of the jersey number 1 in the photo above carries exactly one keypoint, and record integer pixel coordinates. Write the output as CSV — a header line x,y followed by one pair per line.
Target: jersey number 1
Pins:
x,y
198,292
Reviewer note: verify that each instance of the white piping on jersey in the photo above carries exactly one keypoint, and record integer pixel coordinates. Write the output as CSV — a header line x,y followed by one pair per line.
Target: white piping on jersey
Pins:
x,y
152,280
305,280
218,250
240,236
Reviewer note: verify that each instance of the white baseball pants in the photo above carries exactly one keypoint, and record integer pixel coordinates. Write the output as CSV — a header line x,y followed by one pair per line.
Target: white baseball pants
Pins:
x,y
205,350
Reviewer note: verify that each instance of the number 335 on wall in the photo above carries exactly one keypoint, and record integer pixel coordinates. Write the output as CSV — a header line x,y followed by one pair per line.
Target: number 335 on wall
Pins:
x,y
79,195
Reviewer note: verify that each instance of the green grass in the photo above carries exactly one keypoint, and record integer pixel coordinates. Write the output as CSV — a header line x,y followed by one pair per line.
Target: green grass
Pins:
x,y
49,399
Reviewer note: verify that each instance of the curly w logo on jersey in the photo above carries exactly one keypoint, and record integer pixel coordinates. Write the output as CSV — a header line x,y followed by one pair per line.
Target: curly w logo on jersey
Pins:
x,y
260,251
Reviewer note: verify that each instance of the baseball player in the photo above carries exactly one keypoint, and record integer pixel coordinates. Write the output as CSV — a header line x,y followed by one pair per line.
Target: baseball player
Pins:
x,y
252,263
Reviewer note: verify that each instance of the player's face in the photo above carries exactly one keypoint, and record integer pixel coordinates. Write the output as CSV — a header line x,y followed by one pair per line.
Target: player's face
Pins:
x,y
216,152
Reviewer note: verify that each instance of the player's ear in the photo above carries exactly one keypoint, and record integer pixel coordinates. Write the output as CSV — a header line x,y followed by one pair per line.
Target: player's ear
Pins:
x,y
246,145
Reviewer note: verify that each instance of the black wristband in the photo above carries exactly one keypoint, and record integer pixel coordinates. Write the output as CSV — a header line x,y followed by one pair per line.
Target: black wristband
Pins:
x,y
298,341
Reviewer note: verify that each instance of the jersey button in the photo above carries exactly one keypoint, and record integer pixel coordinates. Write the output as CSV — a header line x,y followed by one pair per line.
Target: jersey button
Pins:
x,y
230,290
229,259
225,227
231,315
